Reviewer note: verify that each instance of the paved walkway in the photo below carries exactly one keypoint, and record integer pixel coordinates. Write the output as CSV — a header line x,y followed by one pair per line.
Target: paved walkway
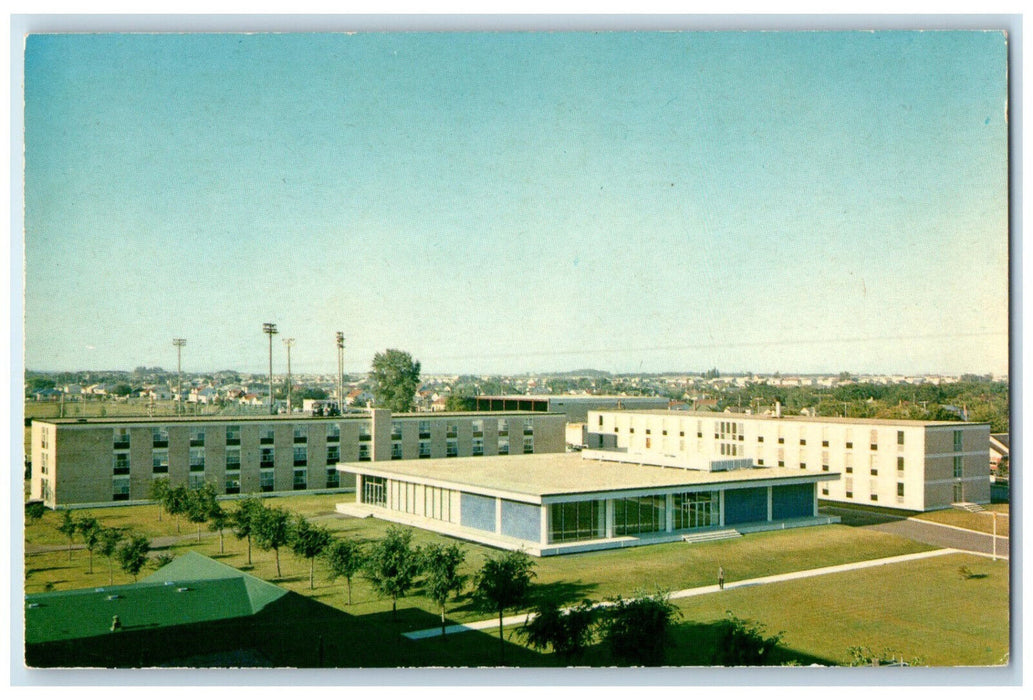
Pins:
x,y
692,592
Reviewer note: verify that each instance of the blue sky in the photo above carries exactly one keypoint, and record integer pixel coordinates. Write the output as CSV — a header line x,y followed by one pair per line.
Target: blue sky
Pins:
x,y
502,203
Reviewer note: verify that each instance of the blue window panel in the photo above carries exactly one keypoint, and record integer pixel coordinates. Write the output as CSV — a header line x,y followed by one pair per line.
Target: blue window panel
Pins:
x,y
477,512
746,506
795,501
521,520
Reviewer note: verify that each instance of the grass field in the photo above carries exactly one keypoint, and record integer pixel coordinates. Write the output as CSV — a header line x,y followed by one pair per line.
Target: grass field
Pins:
x,y
981,522
922,609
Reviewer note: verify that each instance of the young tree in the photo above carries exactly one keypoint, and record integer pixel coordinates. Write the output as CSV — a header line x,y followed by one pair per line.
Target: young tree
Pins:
x,y
396,377
177,501
200,504
89,529
272,530
162,559
636,629
309,541
742,643
218,521
132,554
504,582
34,511
441,566
569,632
158,492
244,519
68,528
344,558
392,565
110,538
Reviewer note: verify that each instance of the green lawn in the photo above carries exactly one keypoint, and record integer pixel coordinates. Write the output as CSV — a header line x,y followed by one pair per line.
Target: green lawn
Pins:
x,y
883,607
981,522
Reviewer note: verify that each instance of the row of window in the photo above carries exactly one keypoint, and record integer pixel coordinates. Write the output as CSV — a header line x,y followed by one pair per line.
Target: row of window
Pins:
x,y
120,484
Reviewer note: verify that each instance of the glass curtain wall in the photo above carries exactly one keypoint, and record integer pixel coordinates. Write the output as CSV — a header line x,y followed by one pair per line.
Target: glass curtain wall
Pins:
x,y
581,520
632,516
698,509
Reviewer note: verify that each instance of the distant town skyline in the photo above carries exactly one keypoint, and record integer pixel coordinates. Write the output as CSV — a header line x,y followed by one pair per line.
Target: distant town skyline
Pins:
x,y
801,202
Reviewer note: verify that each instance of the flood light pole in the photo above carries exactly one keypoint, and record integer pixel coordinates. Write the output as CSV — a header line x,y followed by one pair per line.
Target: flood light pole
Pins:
x,y
270,330
340,372
289,342
179,343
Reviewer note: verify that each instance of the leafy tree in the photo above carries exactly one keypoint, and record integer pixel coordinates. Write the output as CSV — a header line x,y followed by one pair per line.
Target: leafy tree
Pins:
x,y
158,492
309,541
441,566
392,565
34,511
200,504
89,529
272,530
457,403
636,629
162,559
504,582
132,554
395,377
110,538
218,521
177,502
742,643
68,527
569,632
344,558
244,520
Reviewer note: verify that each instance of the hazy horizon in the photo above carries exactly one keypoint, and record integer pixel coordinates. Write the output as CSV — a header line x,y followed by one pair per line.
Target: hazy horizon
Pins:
x,y
824,201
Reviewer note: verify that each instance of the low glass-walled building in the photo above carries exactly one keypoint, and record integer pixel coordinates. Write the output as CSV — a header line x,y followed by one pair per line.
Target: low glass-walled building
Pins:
x,y
559,503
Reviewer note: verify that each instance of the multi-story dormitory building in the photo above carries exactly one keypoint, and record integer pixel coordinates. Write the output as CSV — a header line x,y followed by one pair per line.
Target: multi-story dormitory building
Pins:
x,y
903,464
107,460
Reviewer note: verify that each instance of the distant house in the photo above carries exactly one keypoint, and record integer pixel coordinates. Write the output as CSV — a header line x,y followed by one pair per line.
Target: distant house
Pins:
x,y
47,395
358,397
704,404
1000,449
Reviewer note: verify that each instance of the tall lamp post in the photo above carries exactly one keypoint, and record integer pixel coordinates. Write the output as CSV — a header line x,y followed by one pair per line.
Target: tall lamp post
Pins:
x,y
289,342
270,330
179,343
340,372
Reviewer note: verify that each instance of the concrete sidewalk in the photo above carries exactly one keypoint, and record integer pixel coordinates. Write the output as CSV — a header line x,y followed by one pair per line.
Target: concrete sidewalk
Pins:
x,y
691,592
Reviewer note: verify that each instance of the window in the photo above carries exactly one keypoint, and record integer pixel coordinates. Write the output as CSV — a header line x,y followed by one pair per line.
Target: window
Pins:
x,y
478,428
232,434
529,426
803,465
803,441
121,438
850,445
424,450
267,458
121,463
641,514
824,490
478,447
900,464
197,437
528,445
333,432
44,437
300,479
300,434
300,455
265,480
43,466
233,460
875,440
266,435
504,426
849,484
197,459
333,454
120,488
958,466
874,496
364,434
374,490
504,446
781,441
571,522
424,429
874,472
364,453
600,420
957,441
396,450
900,437
760,438
333,478
693,510
451,448
160,437
160,461
232,485
396,430
900,489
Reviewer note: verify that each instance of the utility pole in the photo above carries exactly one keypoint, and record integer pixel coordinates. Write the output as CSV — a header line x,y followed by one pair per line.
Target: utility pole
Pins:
x,y
270,330
289,342
340,373
179,343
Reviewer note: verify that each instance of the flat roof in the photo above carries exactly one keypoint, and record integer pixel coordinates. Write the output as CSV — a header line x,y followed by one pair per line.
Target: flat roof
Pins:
x,y
297,418
569,397
556,474
794,418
